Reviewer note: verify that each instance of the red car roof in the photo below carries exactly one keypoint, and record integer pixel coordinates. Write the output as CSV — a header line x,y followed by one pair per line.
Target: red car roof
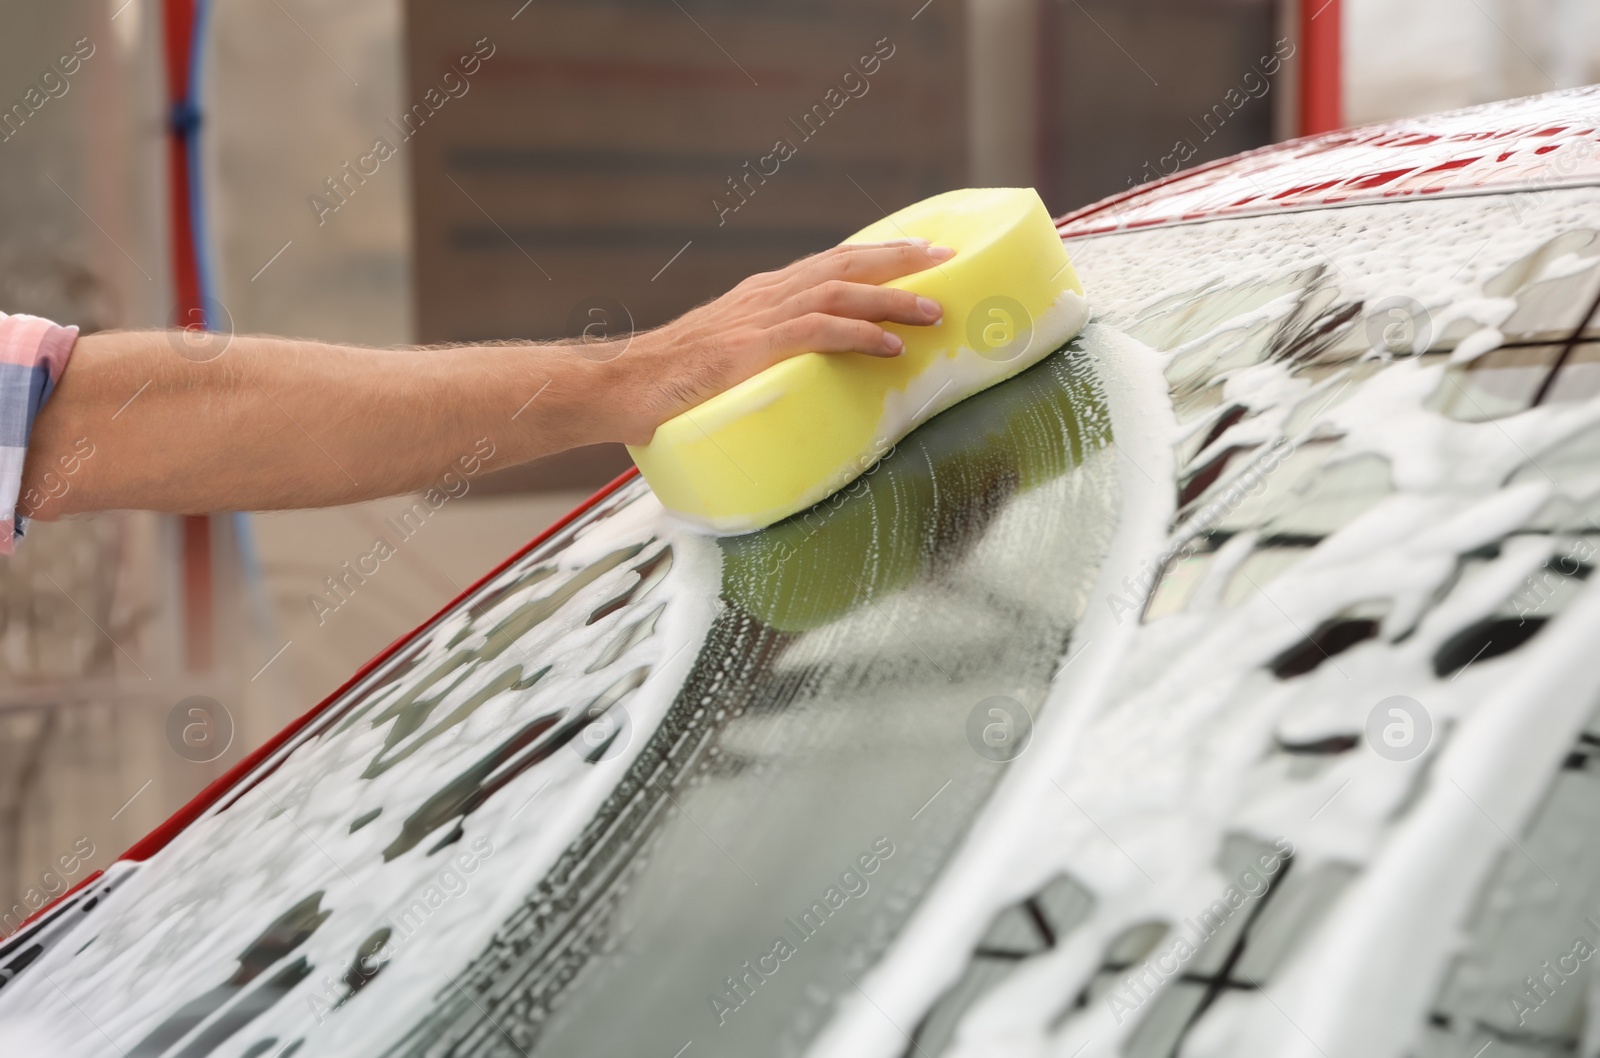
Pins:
x,y
1531,144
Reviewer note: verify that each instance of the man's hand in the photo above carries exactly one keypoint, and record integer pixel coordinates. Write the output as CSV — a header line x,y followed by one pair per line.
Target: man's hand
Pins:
x,y
828,303
274,423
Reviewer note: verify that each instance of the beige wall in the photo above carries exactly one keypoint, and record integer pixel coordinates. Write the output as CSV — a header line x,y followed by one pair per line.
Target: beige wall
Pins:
x,y
81,234
297,89
1420,56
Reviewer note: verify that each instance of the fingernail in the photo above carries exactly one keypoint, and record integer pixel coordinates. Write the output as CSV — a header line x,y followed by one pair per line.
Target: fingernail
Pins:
x,y
892,342
941,253
930,307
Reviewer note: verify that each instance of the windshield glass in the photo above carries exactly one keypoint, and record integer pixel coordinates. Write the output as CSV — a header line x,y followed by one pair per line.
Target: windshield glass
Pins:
x,y
877,660
712,776
1334,800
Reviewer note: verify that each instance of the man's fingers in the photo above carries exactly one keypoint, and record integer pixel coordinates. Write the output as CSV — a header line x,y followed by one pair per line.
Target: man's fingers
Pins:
x,y
865,264
861,302
818,332
846,246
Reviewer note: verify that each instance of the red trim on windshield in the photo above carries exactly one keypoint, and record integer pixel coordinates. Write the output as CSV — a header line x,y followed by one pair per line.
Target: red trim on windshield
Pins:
x,y
1539,143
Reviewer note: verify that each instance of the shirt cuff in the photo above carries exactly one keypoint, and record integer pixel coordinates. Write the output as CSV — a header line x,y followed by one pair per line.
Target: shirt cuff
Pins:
x,y
33,353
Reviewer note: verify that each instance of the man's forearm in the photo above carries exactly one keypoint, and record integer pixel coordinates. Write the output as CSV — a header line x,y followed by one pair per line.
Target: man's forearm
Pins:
x,y
275,423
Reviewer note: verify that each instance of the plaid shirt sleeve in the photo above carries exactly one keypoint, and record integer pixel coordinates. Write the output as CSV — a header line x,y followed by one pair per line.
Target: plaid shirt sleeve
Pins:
x,y
33,353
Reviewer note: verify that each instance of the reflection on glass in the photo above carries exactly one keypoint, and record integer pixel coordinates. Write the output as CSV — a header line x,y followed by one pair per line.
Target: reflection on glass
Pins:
x,y
1184,317
1553,287
1579,378
1536,910
1026,930
828,750
1496,384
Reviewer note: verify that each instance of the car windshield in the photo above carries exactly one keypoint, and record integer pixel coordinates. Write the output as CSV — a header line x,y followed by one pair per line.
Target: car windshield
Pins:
x,y
713,776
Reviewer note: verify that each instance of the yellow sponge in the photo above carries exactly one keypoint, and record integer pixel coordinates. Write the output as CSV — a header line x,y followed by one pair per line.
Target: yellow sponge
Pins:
x,y
801,430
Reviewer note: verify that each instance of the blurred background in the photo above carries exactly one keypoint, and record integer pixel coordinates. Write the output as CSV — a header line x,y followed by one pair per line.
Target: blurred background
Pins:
x,y
417,171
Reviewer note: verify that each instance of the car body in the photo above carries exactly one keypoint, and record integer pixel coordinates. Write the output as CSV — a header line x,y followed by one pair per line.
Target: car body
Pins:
x,y
1222,685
